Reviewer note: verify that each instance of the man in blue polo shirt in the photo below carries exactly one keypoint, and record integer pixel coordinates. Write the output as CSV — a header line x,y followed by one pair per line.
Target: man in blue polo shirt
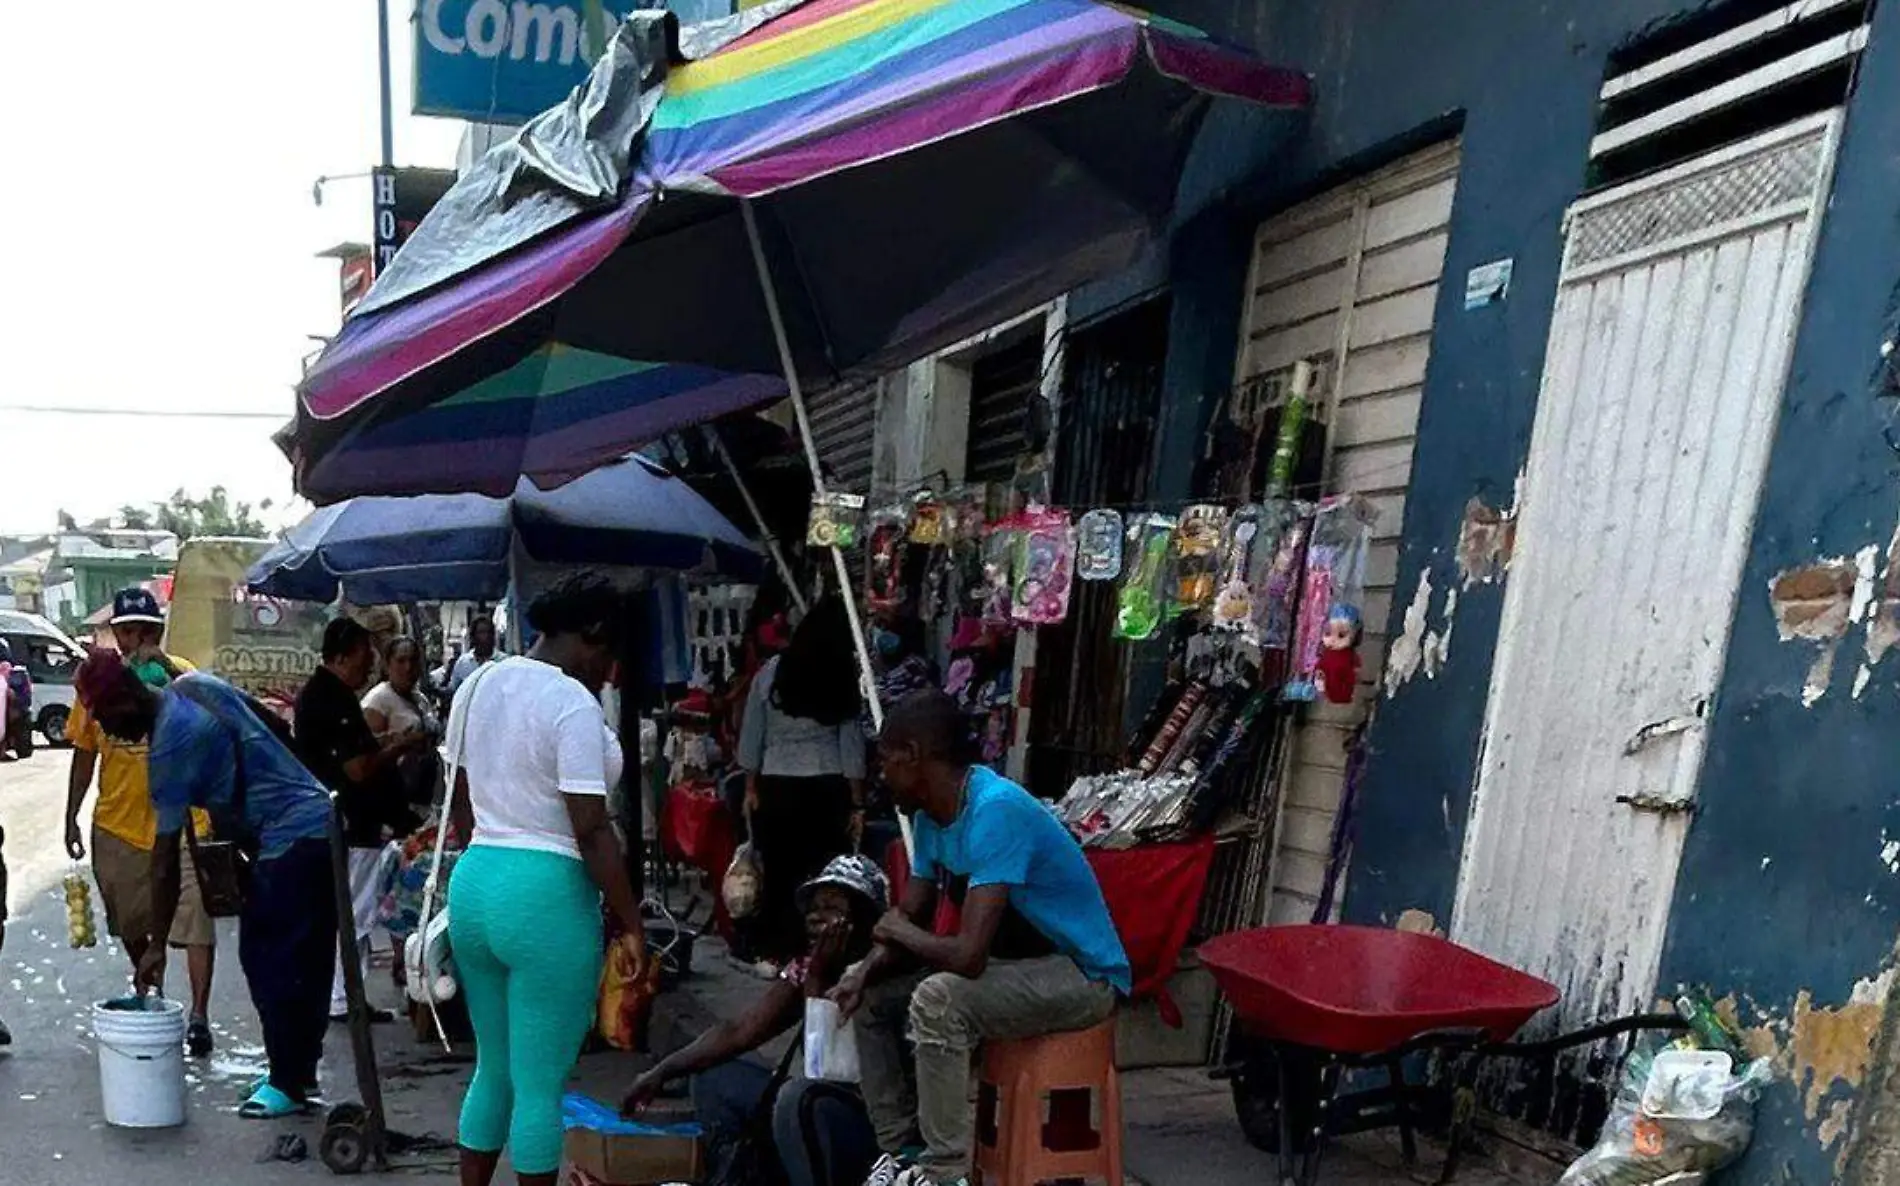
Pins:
x,y
1035,952
213,748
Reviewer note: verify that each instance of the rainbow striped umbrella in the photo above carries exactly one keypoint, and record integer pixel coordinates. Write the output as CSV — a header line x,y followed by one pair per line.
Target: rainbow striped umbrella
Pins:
x,y
902,173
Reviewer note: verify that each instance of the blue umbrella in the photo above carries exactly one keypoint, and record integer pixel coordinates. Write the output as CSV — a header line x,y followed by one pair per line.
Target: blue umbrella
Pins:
x,y
455,547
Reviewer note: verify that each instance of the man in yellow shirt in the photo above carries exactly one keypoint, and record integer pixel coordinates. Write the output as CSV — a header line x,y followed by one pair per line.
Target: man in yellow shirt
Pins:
x,y
125,823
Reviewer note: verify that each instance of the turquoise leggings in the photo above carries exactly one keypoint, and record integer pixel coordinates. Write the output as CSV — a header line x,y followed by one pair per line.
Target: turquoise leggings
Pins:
x,y
525,931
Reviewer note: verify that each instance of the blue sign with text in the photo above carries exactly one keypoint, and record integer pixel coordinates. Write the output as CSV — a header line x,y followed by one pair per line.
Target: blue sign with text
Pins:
x,y
506,61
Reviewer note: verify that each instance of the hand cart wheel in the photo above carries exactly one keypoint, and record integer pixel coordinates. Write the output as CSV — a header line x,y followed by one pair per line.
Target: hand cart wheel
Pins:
x,y
344,1147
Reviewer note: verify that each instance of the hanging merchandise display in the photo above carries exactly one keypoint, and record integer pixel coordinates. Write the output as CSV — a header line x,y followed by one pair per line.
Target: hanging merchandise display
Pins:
x,y
996,592
1286,444
1331,590
834,520
884,558
1245,559
928,522
1274,612
1099,546
1197,558
1045,567
1143,597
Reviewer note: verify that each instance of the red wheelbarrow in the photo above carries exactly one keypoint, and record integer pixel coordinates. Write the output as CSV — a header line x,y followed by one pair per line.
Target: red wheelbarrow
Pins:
x,y
1314,1002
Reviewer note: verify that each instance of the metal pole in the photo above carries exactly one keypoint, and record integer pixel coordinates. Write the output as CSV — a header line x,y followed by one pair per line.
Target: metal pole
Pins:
x,y
382,63
765,532
867,677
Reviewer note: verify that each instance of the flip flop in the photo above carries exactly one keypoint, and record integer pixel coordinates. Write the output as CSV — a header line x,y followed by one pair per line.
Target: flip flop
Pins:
x,y
268,1103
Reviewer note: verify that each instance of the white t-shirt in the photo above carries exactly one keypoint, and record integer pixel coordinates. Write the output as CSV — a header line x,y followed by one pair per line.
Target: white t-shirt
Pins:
x,y
531,734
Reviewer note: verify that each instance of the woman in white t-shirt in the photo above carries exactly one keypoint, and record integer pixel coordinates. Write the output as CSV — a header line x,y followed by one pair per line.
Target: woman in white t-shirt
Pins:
x,y
524,902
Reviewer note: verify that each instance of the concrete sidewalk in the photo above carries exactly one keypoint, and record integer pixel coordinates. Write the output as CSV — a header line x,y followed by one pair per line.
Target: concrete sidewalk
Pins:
x,y
1180,1128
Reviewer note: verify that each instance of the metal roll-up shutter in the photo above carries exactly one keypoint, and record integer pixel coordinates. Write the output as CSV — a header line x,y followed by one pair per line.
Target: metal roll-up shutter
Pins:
x,y
1001,386
843,426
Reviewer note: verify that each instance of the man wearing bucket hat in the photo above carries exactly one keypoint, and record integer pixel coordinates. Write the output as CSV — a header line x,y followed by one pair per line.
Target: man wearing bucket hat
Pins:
x,y
821,1132
125,824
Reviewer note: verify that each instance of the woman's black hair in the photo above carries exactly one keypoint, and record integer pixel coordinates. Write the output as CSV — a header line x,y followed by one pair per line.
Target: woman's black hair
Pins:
x,y
818,673
586,604
395,644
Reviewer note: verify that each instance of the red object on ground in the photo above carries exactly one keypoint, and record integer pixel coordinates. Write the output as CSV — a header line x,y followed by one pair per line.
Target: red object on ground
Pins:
x,y
1364,990
1153,894
696,828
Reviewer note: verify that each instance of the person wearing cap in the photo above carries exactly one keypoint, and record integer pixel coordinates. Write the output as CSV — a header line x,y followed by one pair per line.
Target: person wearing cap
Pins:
x,y
125,824
821,1131
216,749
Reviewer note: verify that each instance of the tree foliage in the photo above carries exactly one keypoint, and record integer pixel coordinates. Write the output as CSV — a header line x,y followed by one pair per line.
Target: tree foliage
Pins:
x,y
185,517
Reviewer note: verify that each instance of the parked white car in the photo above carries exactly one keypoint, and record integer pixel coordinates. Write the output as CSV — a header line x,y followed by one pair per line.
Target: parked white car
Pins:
x,y
52,659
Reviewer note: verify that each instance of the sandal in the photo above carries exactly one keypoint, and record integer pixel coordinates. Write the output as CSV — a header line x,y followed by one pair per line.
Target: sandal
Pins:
x,y
268,1103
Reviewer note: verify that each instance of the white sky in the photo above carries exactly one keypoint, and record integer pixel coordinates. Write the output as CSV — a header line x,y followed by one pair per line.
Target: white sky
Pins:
x,y
160,231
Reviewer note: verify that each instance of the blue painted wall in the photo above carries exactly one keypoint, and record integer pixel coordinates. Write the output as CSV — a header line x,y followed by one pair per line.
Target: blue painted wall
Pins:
x,y
1807,791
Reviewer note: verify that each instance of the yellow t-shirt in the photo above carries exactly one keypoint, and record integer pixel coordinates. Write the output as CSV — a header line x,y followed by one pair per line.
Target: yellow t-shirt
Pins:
x,y
124,809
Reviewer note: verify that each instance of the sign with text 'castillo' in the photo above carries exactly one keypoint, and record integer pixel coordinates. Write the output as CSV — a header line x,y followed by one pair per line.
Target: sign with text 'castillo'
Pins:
x,y
506,61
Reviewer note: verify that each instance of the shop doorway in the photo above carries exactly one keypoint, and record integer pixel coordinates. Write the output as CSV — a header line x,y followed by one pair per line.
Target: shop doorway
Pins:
x,y
1675,316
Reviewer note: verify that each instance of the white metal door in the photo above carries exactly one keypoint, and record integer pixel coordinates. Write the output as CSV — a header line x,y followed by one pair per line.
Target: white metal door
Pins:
x,y
1675,315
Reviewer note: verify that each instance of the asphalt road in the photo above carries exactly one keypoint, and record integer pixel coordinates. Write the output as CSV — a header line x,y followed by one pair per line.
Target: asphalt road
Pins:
x,y
52,1131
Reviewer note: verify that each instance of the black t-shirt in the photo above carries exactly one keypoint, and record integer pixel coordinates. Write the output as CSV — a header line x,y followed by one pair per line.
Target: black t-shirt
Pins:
x,y
331,732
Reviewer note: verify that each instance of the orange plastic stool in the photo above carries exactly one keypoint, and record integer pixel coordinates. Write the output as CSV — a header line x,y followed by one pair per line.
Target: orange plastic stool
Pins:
x,y
1050,1108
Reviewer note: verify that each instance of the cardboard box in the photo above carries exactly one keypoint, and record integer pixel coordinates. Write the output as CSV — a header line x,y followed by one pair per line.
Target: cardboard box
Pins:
x,y
600,1158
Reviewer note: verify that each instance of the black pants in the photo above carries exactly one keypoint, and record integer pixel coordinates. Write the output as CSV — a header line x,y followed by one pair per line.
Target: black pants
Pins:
x,y
287,944
821,1134
801,823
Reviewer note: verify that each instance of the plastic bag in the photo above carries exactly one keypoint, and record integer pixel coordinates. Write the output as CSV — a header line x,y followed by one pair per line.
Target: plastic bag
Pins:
x,y
1246,554
1273,610
1197,558
1143,596
626,996
744,879
428,969
996,592
1641,1149
1328,619
884,559
831,1043
1045,568
1099,546
834,520
81,927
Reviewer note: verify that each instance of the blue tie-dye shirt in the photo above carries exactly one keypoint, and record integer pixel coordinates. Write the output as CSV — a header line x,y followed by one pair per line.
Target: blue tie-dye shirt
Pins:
x,y
204,727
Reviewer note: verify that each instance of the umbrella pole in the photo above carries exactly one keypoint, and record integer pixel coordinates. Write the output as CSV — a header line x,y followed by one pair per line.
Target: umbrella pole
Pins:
x,y
765,533
867,677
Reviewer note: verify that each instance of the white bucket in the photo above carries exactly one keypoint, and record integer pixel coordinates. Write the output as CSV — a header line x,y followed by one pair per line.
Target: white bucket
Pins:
x,y
141,1061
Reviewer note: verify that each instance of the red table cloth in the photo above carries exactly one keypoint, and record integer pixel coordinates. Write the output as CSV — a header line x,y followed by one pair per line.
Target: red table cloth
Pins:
x,y
1153,894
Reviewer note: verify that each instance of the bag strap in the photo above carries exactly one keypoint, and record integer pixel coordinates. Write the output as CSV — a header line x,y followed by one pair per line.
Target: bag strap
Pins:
x,y
458,742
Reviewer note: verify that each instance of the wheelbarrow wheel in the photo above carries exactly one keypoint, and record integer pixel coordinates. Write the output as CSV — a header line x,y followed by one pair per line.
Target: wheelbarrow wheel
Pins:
x,y
1256,1103
345,1148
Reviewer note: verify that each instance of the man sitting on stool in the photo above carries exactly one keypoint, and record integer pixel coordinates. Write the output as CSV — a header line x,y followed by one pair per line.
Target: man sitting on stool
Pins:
x,y
1035,953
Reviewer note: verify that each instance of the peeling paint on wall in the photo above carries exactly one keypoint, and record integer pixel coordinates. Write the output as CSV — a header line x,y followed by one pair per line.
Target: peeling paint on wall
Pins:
x,y
1823,601
1407,652
1486,538
1418,922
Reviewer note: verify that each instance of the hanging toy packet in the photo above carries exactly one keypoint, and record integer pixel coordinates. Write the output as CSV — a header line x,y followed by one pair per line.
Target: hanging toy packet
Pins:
x,y
1143,597
834,520
995,594
1244,558
884,558
1330,616
1098,546
1045,567
1197,555
1274,604
928,522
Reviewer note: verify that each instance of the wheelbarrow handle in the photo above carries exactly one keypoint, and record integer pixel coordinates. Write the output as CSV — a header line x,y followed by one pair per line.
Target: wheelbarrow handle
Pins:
x,y
1609,1029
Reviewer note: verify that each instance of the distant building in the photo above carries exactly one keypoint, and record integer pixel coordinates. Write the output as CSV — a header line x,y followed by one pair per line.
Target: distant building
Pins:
x,y
87,567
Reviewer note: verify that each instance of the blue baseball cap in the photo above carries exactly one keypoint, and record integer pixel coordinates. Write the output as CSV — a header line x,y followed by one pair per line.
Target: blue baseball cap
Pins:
x,y
136,605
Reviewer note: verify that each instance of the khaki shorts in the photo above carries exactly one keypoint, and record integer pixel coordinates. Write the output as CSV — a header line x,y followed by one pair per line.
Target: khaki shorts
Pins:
x,y
124,873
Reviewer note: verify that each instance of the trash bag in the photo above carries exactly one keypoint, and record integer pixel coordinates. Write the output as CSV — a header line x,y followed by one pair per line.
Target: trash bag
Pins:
x,y
1675,1119
744,879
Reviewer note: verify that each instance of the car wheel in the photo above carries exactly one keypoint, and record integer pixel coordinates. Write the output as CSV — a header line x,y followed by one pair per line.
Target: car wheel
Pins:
x,y
53,724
